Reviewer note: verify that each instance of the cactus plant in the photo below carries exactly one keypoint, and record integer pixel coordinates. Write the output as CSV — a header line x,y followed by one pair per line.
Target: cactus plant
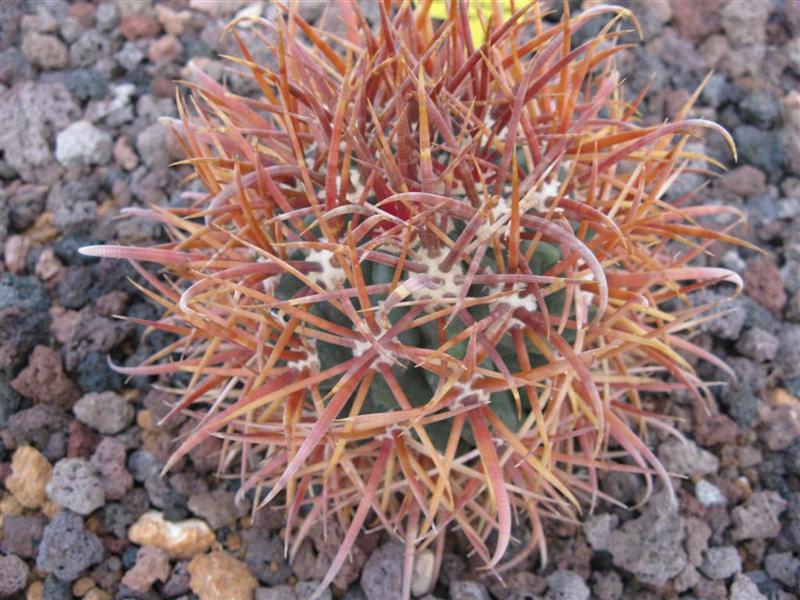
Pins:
x,y
429,279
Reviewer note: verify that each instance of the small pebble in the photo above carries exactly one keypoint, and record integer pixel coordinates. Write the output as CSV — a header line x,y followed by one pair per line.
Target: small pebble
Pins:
x,y
83,144
67,548
180,539
721,562
76,485
30,472
708,494
152,564
220,576
13,575
105,412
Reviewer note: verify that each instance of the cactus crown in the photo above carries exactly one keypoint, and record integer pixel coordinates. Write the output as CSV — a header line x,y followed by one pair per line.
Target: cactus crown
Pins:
x,y
429,279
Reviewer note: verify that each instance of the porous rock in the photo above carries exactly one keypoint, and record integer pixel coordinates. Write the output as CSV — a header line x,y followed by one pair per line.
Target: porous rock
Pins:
x,y
105,412
75,484
83,144
152,564
67,548
30,472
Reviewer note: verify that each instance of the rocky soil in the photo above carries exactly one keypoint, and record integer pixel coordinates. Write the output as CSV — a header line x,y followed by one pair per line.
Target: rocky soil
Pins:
x,y
84,511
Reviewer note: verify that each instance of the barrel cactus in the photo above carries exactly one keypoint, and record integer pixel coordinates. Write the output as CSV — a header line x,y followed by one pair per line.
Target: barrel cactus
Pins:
x,y
430,275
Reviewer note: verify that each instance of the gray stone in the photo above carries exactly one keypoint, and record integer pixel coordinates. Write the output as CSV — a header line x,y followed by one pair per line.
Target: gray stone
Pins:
x,y
87,84
83,144
106,412
217,508
75,484
461,590
740,403
89,49
566,585
708,494
13,575
650,547
70,29
129,56
716,91
106,16
758,517
761,108
597,528
67,548
383,572
264,557
31,111
729,315
26,205
607,585
758,344
151,144
44,51
762,149
744,22
744,588
788,356
687,458
783,567
304,589
278,592
721,562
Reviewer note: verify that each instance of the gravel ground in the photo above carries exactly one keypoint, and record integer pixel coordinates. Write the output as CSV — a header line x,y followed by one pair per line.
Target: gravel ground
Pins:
x,y
84,512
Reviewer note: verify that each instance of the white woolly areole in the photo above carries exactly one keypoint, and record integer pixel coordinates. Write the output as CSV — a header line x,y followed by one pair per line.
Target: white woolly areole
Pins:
x,y
310,362
331,276
466,390
449,281
537,198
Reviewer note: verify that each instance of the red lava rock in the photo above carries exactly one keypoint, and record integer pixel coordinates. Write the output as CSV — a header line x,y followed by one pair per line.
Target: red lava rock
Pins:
x,y
163,87
674,102
124,154
174,22
764,284
742,182
63,324
164,50
695,21
109,459
710,430
16,253
44,380
152,564
81,440
136,26
83,12
781,427
112,303
21,534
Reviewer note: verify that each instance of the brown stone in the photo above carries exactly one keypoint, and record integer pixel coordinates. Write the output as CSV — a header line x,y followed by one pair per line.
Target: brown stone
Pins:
x,y
136,26
44,380
742,182
180,539
152,564
219,576
764,284
30,472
